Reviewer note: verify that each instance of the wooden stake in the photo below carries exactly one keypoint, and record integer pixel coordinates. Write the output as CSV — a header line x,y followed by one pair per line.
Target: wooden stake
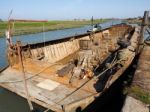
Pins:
x,y
24,77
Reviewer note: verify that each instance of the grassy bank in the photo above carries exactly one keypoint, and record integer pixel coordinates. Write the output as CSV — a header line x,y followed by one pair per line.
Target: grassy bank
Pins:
x,y
139,94
134,21
21,28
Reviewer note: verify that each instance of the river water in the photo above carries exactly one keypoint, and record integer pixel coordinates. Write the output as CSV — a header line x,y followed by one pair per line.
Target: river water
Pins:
x,y
10,102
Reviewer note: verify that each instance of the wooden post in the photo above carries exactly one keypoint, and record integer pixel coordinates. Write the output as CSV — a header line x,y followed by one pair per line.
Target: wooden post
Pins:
x,y
143,26
144,23
24,77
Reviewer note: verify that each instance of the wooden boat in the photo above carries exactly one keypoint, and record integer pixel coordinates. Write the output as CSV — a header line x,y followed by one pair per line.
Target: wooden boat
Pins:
x,y
70,73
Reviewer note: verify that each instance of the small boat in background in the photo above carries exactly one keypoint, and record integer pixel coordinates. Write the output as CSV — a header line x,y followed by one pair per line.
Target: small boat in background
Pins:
x,y
96,27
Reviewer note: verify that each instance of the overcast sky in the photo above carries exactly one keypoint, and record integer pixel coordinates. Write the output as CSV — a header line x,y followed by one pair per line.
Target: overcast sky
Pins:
x,y
70,9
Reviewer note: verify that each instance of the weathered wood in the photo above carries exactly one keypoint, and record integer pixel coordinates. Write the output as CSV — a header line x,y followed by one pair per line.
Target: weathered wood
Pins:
x,y
24,77
65,70
51,91
45,97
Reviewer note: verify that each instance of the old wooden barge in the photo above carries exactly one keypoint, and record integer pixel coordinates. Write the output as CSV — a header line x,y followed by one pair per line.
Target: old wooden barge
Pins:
x,y
70,73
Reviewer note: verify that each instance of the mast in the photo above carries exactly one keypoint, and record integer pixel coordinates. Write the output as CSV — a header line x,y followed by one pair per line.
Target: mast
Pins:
x,y
8,32
92,23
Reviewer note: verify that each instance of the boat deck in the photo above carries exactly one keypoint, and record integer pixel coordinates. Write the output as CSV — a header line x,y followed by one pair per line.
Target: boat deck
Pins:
x,y
45,86
46,91
49,90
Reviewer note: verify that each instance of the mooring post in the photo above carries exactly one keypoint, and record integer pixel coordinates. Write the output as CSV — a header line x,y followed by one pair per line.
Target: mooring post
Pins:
x,y
145,22
24,77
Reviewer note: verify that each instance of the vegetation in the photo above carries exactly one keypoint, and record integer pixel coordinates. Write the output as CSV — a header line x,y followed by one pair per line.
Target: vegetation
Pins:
x,y
35,27
139,94
134,20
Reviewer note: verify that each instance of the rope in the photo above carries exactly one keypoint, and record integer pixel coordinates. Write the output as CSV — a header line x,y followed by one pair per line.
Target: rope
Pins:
x,y
95,77
34,75
24,78
113,63
28,77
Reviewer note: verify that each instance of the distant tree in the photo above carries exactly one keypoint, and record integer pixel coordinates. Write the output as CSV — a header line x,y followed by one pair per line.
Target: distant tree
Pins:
x,y
129,18
1,20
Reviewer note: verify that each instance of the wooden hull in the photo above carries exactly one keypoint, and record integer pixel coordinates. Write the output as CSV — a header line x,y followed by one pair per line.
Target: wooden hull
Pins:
x,y
67,92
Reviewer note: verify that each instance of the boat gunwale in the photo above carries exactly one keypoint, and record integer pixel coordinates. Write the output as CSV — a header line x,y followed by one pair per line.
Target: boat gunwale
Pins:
x,y
64,39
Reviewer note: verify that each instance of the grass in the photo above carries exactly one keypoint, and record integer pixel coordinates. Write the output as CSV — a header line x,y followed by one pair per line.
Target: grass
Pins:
x,y
36,27
139,94
134,21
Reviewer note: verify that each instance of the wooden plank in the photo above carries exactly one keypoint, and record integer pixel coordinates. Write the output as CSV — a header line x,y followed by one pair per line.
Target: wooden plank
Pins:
x,y
41,96
48,84
65,70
